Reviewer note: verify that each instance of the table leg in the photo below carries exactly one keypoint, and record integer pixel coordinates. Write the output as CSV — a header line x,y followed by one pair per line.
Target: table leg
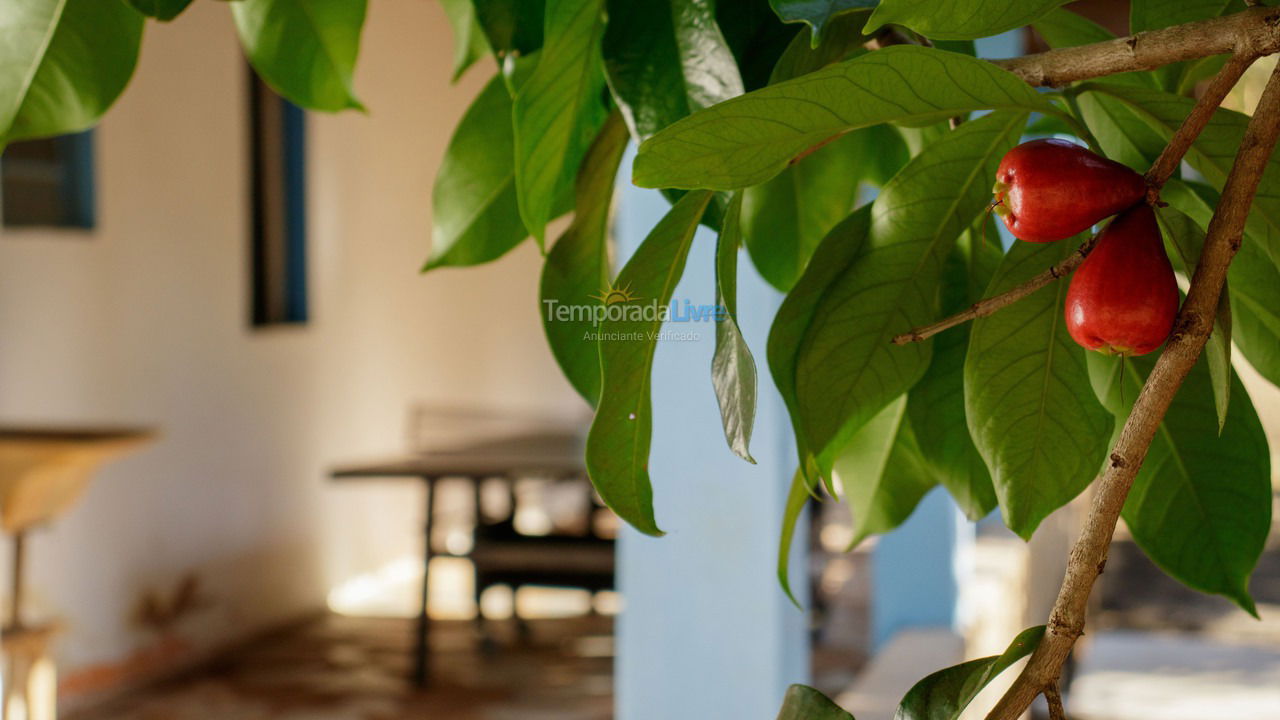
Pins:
x,y
422,648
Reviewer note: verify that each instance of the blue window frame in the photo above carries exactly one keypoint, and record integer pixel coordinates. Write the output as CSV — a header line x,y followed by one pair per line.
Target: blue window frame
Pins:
x,y
279,237
48,182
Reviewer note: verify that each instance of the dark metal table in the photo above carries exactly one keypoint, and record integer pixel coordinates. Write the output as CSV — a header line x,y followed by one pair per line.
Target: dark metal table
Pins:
x,y
549,455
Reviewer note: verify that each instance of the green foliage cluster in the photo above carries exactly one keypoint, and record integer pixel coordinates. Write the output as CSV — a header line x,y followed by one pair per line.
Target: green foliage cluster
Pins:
x,y
858,181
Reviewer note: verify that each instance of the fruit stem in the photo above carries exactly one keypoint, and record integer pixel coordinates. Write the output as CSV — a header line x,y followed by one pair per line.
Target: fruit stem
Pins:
x,y
987,306
1171,157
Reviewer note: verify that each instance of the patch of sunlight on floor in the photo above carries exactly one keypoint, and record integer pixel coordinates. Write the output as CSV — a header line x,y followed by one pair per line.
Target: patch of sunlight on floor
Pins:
x,y
394,590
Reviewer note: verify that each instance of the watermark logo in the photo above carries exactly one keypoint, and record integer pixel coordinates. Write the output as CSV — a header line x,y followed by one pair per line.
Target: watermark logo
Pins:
x,y
621,304
613,295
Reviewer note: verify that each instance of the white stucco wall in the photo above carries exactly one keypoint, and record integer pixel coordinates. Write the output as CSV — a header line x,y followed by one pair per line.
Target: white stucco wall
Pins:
x,y
143,321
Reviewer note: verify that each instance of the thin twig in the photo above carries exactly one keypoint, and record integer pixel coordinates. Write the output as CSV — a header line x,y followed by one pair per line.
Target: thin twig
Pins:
x,y
1255,32
1165,165
1191,331
986,306
1054,697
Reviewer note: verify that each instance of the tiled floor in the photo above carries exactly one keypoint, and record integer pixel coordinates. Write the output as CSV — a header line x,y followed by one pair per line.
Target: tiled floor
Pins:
x,y
355,669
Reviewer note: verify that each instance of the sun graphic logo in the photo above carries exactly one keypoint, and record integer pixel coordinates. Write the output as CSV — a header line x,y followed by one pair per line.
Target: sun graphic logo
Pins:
x,y
615,295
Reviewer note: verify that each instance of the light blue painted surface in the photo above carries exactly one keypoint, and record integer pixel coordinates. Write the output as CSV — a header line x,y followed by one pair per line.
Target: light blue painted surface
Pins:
x,y
706,631
916,570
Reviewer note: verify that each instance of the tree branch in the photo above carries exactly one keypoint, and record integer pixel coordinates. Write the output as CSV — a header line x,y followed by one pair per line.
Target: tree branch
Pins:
x,y
1191,331
1253,32
1165,165
1053,696
987,306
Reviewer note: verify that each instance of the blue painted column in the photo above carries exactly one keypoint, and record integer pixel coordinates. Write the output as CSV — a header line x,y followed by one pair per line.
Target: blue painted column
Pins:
x,y
706,631
916,570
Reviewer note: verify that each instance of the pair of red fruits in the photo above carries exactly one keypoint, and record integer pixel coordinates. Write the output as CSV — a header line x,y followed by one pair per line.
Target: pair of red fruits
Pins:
x,y
1124,297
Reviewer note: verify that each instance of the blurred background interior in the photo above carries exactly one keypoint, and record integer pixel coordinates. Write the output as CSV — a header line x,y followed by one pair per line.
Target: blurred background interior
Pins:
x,y
231,405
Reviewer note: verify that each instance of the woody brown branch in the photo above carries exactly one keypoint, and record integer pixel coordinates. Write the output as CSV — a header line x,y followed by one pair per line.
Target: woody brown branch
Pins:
x,y
1191,331
1253,32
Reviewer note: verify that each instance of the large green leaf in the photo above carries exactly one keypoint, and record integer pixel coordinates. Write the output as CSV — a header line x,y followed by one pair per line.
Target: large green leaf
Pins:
x,y
960,19
784,218
749,139
733,370
842,245
1253,281
666,59
474,213
618,442
945,694
882,474
163,10
842,39
804,703
469,42
1214,150
755,36
817,13
511,26
1200,506
936,407
1123,136
802,489
1062,28
576,273
1031,411
558,109
304,49
846,368
63,64
1187,239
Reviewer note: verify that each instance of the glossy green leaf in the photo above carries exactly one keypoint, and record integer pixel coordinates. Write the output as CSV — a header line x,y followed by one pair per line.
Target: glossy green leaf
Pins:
x,y
511,26
733,370
802,489
1253,282
846,368
1062,28
784,218
1214,150
469,43
804,703
749,139
842,39
576,273
304,49
936,406
960,19
618,442
1200,506
666,59
64,64
834,254
755,36
945,694
557,108
474,211
1031,411
881,473
1255,296
1187,239
817,13
163,10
